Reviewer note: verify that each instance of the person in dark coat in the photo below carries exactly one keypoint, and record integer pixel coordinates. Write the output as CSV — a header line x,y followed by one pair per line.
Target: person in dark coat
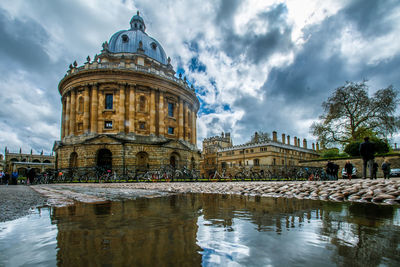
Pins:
x,y
386,169
367,151
31,175
348,167
14,178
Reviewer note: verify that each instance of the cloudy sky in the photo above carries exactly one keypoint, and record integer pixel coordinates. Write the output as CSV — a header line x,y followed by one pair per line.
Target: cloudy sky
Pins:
x,y
256,65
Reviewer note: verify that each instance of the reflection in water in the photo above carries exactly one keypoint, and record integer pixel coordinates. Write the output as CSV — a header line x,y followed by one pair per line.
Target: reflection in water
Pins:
x,y
209,230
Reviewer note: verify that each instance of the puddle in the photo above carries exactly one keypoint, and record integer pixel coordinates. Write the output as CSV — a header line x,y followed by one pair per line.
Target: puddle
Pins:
x,y
204,230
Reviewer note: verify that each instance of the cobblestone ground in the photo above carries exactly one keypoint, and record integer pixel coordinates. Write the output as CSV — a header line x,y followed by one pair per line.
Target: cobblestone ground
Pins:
x,y
376,191
17,200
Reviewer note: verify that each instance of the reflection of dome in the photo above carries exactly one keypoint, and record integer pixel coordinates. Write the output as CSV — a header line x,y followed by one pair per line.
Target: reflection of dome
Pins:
x,y
135,40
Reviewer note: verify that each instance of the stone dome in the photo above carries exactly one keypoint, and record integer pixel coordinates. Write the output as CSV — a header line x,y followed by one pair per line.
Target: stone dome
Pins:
x,y
135,40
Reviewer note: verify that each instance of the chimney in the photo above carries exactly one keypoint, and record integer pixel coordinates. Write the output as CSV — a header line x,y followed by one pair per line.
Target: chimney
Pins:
x,y
304,143
274,136
313,146
295,141
298,142
283,138
317,146
288,139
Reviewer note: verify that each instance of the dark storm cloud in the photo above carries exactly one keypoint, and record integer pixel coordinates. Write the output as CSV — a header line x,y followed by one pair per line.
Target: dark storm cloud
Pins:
x,y
370,16
256,47
318,68
22,43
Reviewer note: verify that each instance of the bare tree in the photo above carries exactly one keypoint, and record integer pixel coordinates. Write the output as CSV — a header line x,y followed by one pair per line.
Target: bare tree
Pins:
x,y
350,114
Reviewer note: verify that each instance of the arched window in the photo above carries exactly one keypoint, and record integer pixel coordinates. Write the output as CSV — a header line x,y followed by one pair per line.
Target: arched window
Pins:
x,y
73,160
80,104
142,161
104,159
46,161
142,103
36,161
174,160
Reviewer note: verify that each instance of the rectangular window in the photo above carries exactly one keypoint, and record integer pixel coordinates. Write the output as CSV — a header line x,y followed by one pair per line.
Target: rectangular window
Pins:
x,y
108,125
142,125
256,162
109,101
171,109
170,130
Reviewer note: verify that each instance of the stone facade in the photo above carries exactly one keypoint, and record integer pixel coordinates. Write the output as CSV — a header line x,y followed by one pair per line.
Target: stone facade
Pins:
x,y
219,153
127,109
20,162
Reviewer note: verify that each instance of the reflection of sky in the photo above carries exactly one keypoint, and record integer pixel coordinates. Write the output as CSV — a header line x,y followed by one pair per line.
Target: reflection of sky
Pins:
x,y
29,241
243,244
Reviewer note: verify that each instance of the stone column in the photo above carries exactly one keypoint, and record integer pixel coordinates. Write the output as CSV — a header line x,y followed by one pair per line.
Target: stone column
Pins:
x,y
180,119
161,113
152,110
93,113
132,108
121,109
67,113
86,111
100,108
193,128
73,112
64,107
186,122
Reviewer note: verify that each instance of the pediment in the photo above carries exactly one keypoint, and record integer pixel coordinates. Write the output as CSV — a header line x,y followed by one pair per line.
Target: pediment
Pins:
x,y
102,139
176,144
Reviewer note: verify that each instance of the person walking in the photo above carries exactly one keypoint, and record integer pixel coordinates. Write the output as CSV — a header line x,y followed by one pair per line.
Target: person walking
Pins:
x,y
386,169
367,151
31,175
348,167
14,178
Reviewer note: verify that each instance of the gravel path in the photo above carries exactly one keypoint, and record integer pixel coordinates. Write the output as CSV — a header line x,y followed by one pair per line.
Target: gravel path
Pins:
x,y
17,200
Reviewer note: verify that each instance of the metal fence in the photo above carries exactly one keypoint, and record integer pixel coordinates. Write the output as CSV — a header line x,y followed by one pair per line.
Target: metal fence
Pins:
x,y
169,174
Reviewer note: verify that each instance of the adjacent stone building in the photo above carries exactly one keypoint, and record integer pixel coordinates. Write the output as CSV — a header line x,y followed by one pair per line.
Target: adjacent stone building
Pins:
x,y
126,109
219,153
20,162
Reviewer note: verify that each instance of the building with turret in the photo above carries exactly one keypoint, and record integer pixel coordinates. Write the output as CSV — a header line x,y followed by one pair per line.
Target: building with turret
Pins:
x,y
127,109
219,153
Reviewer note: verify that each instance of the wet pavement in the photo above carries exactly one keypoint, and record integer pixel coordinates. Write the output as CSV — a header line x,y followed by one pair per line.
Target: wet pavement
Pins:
x,y
17,201
376,191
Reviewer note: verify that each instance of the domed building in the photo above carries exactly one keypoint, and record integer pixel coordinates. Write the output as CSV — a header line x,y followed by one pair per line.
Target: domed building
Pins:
x,y
126,109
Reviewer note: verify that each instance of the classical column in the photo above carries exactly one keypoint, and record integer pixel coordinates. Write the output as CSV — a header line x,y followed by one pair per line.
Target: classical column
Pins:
x,y
93,113
73,112
100,108
152,112
186,122
193,128
132,109
180,119
86,111
67,113
161,114
121,111
64,107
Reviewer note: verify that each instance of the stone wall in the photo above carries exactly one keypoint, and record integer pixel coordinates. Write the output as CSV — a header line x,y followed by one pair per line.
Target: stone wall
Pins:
x,y
356,161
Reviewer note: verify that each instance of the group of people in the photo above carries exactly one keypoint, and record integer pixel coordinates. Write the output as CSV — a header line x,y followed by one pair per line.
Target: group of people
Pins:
x,y
6,178
367,151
